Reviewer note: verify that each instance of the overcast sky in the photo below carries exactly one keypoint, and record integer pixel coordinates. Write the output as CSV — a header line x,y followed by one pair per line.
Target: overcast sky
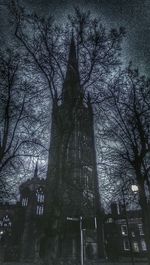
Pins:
x,y
134,15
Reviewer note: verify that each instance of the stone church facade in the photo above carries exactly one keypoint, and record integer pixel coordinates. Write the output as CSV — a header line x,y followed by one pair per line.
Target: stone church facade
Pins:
x,y
70,192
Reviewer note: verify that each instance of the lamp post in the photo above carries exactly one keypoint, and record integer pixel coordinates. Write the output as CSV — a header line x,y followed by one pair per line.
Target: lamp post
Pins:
x,y
81,239
76,219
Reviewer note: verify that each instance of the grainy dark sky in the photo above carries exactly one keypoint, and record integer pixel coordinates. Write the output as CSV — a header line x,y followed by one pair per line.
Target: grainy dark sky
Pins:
x,y
134,15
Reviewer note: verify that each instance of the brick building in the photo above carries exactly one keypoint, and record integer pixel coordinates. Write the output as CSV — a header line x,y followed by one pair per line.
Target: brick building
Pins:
x,y
124,235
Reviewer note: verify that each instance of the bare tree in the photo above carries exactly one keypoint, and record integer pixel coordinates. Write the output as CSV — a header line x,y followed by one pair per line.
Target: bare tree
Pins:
x,y
127,134
19,125
46,44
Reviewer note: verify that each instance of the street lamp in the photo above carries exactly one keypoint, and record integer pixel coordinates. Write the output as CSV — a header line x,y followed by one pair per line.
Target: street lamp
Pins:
x,y
81,236
134,188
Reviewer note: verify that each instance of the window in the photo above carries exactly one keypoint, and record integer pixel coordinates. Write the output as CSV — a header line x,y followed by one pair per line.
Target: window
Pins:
x,y
39,210
135,247
40,195
141,229
24,202
126,245
5,218
124,230
87,171
143,245
6,221
109,220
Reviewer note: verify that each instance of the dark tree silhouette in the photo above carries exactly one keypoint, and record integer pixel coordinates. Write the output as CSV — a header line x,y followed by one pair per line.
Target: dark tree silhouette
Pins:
x,y
127,135
19,126
46,44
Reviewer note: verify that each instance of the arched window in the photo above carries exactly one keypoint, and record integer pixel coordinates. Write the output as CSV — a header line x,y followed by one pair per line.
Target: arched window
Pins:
x,y
39,210
40,195
24,202
6,221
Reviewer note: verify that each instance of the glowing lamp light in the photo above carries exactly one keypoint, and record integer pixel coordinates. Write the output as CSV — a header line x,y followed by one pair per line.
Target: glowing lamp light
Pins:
x,y
134,188
1,232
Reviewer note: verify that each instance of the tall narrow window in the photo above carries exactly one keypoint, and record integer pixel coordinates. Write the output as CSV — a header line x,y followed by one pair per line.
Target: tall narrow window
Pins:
x,y
135,247
6,221
143,245
124,230
126,245
39,210
141,229
40,195
24,202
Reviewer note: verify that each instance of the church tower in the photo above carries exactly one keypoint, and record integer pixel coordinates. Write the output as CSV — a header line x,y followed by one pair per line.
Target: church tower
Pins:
x,y
72,185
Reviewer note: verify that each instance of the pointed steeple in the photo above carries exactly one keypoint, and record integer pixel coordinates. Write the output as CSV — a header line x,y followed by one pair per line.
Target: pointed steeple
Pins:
x,y
71,87
36,171
72,59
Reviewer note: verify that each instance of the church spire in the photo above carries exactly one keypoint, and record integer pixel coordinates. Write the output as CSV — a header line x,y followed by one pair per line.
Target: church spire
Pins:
x,y
71,87
72,59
